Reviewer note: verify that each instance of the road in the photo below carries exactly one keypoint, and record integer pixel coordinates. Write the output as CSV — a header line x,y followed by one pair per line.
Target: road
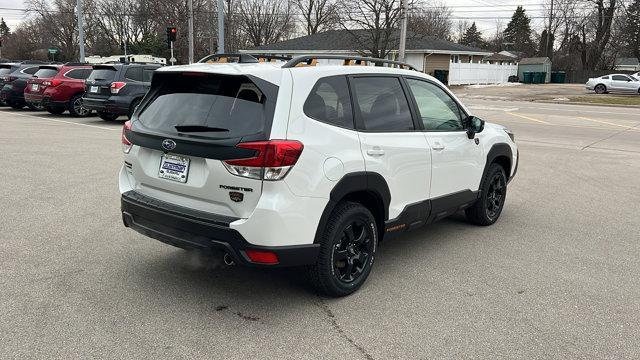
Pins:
x,y
556,277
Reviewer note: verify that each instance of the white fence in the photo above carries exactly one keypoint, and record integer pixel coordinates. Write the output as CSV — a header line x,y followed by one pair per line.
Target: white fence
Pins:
x,y
469,73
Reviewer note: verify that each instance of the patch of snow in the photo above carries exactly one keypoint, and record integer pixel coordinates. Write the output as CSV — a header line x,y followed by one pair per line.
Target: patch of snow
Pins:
x,y
493,85
561,99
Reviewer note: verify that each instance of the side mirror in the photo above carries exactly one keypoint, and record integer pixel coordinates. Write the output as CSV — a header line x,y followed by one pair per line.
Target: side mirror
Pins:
x,y
473,125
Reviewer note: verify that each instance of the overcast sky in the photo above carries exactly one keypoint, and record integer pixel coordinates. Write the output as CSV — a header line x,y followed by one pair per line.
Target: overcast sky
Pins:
x,y
484,12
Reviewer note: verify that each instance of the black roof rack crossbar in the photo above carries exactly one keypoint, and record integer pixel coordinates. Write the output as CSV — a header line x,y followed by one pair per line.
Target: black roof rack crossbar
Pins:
x,y
309,60
263,57
231,57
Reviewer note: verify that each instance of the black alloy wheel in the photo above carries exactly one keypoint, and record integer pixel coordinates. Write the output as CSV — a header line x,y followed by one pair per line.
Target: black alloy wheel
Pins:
x,y
352,253
493,193
495,196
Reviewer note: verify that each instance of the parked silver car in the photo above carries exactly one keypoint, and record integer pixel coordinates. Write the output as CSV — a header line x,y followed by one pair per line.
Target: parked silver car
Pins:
x,y
614,83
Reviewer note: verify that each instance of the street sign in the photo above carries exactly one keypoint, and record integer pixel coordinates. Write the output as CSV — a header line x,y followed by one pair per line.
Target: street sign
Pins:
x,y
53,51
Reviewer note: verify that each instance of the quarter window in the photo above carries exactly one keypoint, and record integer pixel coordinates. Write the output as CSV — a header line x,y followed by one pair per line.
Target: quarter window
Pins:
x,y
329,102
382,104
78,74
133,73
438,111
147,74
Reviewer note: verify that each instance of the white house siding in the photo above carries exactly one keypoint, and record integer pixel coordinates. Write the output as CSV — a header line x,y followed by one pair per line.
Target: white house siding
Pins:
x,y
470,73
416,60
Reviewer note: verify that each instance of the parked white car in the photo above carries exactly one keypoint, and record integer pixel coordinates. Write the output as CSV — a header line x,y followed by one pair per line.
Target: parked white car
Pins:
x,y
304,165
614,83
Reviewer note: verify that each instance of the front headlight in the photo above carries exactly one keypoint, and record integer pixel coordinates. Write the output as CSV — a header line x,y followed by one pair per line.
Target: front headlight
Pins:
x,y
511,136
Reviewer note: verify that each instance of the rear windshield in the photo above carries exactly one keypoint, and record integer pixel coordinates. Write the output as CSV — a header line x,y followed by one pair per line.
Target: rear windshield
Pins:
x,y
5,70
103,74
46,73
216,106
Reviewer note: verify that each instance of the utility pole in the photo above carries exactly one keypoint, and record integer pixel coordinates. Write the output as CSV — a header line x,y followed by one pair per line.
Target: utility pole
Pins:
x,y
190,31
403,30
212,27
80,29
220,26
546,47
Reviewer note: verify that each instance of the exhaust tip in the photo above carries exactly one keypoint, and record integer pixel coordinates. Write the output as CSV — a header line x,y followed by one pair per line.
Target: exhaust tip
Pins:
x,y
228,260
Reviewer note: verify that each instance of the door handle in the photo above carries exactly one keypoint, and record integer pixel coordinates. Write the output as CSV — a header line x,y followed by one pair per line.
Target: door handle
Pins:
x,y
376,151
437,146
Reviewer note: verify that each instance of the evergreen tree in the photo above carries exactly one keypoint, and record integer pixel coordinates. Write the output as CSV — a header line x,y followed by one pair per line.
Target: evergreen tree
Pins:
x,y
542,48
4,29
518,32
472,37
631,29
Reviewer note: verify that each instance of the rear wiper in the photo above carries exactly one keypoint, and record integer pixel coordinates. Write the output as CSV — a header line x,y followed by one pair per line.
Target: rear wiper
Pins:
x,y
198,128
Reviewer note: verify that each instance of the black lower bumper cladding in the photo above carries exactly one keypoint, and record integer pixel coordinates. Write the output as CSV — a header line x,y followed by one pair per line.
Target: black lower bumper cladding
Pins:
x,y
193,229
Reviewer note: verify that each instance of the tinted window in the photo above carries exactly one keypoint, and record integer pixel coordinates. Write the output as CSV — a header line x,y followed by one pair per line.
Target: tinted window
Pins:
x,y
103,74
619,78
232,106
147,74
329,102
46,73
31,70
382,104
133,73
78,73
605,77
437,109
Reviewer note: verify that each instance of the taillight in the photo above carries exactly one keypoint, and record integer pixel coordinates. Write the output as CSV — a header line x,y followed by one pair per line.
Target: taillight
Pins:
x,y
126,144
272,161
116,86
9,78
52,83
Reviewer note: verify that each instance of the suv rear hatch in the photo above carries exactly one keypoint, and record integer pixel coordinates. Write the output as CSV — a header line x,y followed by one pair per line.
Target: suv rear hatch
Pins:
x,y
189,129
98,84
40,79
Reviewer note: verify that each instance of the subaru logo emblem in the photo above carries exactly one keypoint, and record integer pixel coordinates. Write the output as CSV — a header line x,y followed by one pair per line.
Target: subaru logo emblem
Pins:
x,y
168,144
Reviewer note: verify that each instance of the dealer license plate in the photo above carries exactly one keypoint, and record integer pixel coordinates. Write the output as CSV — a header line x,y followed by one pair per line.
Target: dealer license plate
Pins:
x,y
174,167
93,89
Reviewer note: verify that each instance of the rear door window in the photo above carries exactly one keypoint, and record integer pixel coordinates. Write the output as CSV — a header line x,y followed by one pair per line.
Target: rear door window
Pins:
x,y
147,74
133,74
45,73
619,78
329,102
209,106
381,103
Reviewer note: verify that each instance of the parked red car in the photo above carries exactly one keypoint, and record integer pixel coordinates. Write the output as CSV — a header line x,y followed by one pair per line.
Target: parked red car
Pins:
x,y
35,85
63,91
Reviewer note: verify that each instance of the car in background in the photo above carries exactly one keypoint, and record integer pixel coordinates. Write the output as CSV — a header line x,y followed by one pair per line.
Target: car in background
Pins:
x,y
636,75
12,92
61,92
614,83
35,85
5,70
113,90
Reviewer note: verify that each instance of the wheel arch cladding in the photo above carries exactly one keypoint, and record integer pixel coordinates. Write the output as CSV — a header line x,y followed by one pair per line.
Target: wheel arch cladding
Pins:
x,y
367,188
502,155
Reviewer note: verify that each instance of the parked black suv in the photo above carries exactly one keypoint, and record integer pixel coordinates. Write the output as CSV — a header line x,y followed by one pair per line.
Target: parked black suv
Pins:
x,y
13,80
116,89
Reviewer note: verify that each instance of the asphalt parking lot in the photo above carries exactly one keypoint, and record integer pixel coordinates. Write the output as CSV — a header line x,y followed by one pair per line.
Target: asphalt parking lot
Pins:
x,y
556,277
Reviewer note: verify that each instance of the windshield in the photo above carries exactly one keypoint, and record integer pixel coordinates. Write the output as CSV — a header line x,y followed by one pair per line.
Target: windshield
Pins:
x,y
217,106
46,73
103,74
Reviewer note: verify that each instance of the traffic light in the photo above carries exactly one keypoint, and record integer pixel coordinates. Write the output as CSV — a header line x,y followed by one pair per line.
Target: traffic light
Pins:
x,y
172,31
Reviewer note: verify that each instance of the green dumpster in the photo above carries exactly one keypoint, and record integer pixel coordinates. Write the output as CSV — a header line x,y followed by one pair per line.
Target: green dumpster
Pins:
x,y
535,77
527,77
543,78
558,77
442,75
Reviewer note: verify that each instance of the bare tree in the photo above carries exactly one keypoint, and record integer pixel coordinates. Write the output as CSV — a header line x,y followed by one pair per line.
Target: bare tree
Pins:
x,y
434,20
265,21
373,25
318,15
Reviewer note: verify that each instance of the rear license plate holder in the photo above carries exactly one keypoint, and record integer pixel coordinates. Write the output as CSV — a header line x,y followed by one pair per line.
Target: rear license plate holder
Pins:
x,y
174,168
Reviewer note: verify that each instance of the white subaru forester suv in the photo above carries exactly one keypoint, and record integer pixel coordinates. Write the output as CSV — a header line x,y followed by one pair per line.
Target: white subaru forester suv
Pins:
x,y
306,163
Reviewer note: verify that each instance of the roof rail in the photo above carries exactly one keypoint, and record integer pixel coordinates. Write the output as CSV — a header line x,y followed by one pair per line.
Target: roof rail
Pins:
x,y
227,58
312,60
270,58
75,63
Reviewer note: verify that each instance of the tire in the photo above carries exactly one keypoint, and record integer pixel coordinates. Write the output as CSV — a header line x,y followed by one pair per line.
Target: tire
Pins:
x,y
75,107
132,107
107,116
16,105
493,193
347,251
33,107
600,89
55,110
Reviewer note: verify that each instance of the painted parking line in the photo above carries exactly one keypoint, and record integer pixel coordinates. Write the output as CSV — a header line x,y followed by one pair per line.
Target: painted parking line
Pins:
x,y
632,128
530,118
61,121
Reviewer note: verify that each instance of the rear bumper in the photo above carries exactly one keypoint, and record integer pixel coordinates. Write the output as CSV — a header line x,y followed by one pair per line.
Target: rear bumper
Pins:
x,y
33,98
46,101
118,105
192,229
